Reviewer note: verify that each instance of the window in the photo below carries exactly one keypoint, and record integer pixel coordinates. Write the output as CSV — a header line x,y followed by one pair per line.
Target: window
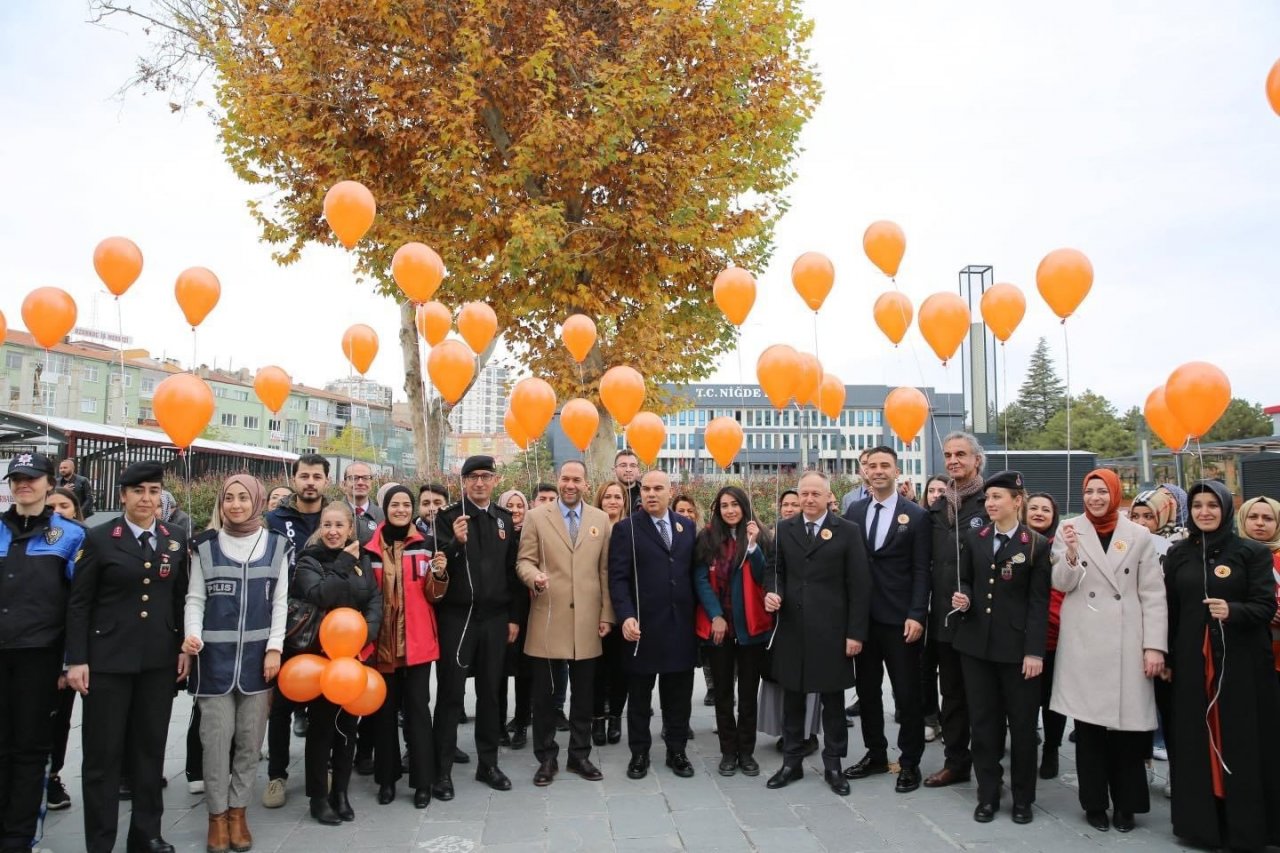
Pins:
x,y
312,430
13,361
148,387
145,414
250,422
90,373
89,407
126,379
273,425
15,397
228,419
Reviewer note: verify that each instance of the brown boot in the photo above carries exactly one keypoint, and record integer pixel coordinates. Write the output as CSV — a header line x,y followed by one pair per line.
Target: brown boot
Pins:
x,y
219,841
241,839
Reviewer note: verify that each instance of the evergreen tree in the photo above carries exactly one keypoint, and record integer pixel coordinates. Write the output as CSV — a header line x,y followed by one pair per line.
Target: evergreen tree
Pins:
x,y
1043,393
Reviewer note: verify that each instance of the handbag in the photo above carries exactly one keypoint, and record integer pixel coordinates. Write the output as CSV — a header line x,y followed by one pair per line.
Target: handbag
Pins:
x,y
302,626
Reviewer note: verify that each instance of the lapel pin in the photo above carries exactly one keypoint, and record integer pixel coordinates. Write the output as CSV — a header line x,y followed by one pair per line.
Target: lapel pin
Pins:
x,y
174,546
679,527
595,531
903,518
1122,546
1019,558
826,534
1007,572
1223,571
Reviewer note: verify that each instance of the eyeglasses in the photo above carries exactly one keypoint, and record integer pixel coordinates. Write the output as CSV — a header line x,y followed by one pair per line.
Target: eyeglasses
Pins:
x,y
360,478
482,477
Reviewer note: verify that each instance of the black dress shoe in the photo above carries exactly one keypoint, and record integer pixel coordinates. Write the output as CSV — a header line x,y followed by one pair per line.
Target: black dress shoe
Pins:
x,y
639,766
811,745
585,769
342,805
386,794
460,757
364,765
443,789
1022,813
1098,820
562,722
1049,764
944,777
748,765
493,777
985,812
598,733
421,798
546,773
504,738
908,780
853,709
1122,821
785,776
300,725
679,764
404,761
836,780
323,812
867,766
151,845
614,729
520,737
728,765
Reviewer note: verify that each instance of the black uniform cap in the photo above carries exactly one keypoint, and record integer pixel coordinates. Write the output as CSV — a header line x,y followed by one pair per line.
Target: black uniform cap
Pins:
x,y
1011,480
142,472
478,463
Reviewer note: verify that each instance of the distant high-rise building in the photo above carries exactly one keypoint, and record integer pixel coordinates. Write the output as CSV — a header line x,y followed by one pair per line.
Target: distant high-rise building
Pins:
x,y
482,409
361,390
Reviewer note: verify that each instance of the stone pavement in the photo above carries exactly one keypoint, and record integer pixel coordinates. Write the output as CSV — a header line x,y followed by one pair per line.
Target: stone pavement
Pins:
x,y
708,813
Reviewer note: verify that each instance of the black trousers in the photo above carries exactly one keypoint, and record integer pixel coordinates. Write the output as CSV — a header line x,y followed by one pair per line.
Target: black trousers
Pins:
x,y
611,679
120,708
523,712
737,737
408,687
954,713
1112,769
480,652
366,734
1164,708
886,649
331,747
835,737
28,699
675,697
928,676
279,732
581,674
1054,723
63,707
1000,696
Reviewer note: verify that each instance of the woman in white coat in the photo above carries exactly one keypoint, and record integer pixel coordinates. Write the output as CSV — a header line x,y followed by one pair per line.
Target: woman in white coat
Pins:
x,y
1111,644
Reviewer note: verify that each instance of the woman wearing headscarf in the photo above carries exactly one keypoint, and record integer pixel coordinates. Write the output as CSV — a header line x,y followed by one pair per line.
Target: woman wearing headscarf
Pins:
x,y
1111,644
1221,602
235,618
1259,519
171,514
515,732
1042,517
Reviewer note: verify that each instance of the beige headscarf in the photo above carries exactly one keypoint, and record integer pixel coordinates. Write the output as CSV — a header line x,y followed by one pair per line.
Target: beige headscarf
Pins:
x,y
1274,542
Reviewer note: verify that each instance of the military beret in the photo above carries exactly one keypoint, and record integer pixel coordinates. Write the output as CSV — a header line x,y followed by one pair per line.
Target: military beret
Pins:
x,y
142,472
1011,480
478,463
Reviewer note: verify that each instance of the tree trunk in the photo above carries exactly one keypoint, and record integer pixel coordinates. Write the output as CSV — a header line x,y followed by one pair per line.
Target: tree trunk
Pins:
x,y
415,389
601,450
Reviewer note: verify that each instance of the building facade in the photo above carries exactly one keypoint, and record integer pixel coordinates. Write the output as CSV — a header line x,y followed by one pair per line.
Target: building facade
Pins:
x,y
480,411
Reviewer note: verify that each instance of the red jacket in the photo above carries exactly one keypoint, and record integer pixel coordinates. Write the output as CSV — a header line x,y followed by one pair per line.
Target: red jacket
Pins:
x,y
422,639
758,619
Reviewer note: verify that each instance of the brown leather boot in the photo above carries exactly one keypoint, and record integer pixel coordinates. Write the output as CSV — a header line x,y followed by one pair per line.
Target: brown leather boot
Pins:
x,y
241,839
219,840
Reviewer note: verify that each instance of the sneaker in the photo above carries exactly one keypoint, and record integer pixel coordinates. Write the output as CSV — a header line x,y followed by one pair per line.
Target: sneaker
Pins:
x,y
274,796
56,798
195,786
1168,790
1151,774
1160,753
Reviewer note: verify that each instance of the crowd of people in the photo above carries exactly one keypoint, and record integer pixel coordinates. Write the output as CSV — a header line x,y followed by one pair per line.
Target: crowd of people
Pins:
x,y
1154,631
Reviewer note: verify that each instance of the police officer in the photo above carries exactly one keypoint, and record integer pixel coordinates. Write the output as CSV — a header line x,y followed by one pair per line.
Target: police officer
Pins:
x,y
478,618
1004,618
38,549
124,638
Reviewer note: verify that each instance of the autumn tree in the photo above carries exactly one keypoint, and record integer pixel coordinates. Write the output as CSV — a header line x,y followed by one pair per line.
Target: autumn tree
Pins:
x,y
562,156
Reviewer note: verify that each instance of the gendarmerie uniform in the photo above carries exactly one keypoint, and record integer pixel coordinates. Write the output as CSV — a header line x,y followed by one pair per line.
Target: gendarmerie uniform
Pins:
x,y
484,597
124,620
1006,576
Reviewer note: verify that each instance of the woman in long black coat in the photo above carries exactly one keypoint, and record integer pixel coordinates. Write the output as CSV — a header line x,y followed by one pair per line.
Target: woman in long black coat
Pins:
x,y
1221,597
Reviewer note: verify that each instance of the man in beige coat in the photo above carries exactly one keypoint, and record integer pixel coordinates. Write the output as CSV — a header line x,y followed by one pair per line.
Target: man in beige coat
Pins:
x,y
564,559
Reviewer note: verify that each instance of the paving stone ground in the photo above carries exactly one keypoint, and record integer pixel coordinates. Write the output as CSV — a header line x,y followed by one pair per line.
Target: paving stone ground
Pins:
x,y
708,813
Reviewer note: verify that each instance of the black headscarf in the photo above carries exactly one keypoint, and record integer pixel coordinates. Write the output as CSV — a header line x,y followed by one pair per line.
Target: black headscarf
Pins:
x,y
392,532
1213,539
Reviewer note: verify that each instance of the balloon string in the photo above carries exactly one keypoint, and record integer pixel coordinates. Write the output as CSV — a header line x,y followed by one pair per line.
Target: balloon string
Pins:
x,y
1004,359
48,400
818,403
124,416
187,458
777,581
1221,671
1066,350
745,441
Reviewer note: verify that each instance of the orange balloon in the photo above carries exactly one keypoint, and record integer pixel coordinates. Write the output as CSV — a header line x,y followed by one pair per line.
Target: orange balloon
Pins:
x,y
375,693
1003,307
343,680
418,270
433,321
893,313
579,336
533,402
1064,278
944,322
451,367
477,324
813,274
735,292
197,290
118,262
885,244
299,678
183,404
906,409
1197,393
1273,87
360,346
808,379
777,370
272,385
579,420
515,432
645,435
343,633
49,314
622,392
1163,422
4,327
349,209
831,396
724,440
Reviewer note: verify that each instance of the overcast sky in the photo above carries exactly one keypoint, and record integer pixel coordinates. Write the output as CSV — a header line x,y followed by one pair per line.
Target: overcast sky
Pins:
x,y
992,132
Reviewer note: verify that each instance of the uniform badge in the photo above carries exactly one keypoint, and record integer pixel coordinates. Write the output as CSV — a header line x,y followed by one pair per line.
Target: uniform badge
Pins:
x,y
984,532
1025,538
594,531
1007,572
502,534
1223,571
23,459
164,566
174,546
117,532
679,527
975,522
903,518
53,534
825,534
1019,558
1122,546
370,524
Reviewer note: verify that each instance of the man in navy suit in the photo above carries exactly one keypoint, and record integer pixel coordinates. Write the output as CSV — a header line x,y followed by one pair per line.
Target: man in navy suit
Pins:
x,y
651,584
899,546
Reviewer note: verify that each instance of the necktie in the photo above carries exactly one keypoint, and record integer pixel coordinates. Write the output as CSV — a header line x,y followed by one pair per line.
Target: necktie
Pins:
x,y
812,527
573,526
875,526
1001,539
666,534
144,539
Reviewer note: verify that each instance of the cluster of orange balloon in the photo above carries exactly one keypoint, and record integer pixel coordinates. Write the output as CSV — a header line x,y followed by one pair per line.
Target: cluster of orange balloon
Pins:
x,y
341,678
1188,404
